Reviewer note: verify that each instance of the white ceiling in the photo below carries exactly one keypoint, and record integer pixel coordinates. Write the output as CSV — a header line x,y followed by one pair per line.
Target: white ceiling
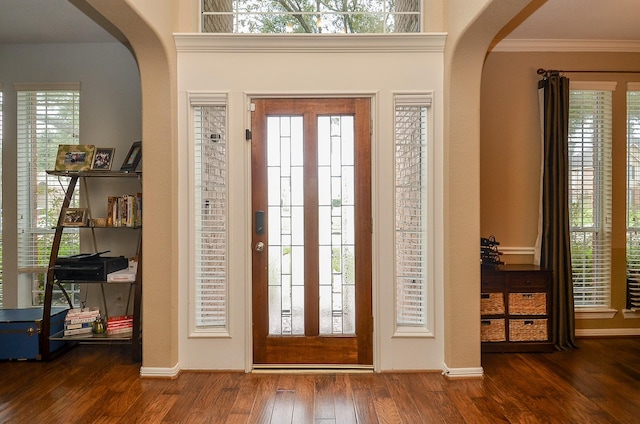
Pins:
x,y
60,21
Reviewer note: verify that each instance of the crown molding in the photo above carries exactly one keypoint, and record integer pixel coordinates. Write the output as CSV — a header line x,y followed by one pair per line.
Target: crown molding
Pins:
x,y
557,45
312,43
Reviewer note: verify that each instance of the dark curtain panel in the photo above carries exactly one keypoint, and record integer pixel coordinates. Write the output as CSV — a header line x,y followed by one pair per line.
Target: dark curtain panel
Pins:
x,y
555,251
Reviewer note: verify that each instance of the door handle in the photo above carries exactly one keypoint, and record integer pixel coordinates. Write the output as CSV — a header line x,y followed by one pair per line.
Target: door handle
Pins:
x,y
259,246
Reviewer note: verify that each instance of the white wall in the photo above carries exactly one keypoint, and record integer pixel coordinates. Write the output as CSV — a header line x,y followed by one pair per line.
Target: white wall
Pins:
x,y
242,67
110,116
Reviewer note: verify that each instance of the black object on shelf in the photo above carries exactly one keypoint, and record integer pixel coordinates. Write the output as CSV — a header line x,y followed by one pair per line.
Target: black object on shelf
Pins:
x,y
489,253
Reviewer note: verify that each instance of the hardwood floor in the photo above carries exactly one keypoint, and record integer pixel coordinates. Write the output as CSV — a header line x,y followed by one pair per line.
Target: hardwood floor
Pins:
x,y
597,383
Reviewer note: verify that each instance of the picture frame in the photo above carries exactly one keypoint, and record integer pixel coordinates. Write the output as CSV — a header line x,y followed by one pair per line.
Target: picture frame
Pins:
x,y
133,157
74,217
102,159
74,157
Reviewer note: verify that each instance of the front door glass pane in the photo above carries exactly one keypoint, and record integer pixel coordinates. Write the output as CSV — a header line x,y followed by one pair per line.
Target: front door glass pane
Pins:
x,y
336,229
286,225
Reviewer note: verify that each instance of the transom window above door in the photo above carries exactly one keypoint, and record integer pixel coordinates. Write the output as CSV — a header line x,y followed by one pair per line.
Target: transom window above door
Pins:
x,y
311,16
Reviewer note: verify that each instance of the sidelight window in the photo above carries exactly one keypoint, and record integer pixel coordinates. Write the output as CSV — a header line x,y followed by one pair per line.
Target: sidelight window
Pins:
x,y
412,193
209,180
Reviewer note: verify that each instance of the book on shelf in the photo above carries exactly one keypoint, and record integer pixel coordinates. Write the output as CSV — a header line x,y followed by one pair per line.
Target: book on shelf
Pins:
x,y
124,211
79,321
77,331
75,326
120,321
88,319
120,324
82,313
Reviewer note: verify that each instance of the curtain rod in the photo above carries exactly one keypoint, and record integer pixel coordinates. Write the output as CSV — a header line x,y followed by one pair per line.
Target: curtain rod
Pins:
x,y
551,71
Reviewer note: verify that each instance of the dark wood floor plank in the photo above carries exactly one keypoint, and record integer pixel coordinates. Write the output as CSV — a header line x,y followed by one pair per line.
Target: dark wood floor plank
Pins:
x,y
435,406
243,404
303,387
385,405
597,383
399,391
264,399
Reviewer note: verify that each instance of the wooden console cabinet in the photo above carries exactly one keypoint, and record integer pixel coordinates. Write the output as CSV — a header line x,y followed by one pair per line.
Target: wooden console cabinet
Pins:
x,y
516,309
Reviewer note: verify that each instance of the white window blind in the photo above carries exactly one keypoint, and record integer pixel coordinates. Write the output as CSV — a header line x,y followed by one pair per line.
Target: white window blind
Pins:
x,y
590,123
47,117
411,194
633,180
210,209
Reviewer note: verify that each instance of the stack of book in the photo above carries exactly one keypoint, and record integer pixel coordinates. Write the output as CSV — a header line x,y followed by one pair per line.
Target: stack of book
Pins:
x,y
121,324
79,321
124,211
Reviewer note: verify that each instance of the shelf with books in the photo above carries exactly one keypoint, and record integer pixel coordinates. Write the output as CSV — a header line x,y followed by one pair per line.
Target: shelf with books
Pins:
x,y
97,338
129,217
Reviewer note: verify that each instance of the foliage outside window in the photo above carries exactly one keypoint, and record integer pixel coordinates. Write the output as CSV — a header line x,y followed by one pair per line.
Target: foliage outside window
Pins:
x,y
633,180
46,118
311,16
590,138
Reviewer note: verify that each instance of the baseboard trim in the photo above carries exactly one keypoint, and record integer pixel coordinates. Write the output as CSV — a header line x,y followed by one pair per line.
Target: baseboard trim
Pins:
x,y
157,372
607,332
454,373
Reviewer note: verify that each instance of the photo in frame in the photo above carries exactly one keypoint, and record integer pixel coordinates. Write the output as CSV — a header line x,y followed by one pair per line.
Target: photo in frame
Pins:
x,y
74,217
133,157
102,159
74,157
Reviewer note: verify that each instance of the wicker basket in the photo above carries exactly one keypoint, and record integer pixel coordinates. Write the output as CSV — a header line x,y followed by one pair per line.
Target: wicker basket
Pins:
x,y
492,303
528,330
492,330
527,303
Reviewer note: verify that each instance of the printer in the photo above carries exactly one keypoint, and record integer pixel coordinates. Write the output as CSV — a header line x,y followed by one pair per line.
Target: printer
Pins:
x,y
88,266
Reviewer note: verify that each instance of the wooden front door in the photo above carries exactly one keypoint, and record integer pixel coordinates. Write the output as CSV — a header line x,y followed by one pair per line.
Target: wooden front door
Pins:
x,y
311,204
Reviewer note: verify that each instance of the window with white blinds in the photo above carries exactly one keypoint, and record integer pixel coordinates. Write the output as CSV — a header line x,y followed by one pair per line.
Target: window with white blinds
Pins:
x,y
633,180
48,116
209,297
411,211
590,135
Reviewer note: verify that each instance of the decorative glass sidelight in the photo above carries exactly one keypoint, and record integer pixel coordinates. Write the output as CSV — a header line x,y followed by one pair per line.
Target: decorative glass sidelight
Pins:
x,y
285,166
336,224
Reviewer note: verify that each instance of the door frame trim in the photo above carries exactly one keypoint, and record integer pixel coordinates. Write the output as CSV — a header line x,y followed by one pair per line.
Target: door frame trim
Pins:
x,y
247,97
